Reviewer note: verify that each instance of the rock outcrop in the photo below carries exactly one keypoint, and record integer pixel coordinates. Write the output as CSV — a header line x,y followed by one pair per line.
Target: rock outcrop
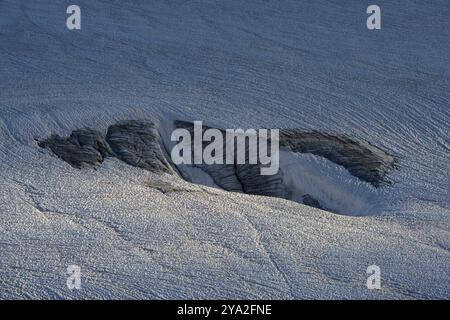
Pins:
x,y
84,147
139,144
362,160
240,177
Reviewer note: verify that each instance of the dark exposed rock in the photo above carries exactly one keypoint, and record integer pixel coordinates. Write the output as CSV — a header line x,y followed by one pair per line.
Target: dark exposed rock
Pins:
x,y
84,147
240,177
139,144
255,183
362,160
224,175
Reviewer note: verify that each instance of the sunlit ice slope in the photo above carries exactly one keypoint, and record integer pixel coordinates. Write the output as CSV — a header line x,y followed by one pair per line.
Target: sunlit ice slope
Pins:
x,y
283,64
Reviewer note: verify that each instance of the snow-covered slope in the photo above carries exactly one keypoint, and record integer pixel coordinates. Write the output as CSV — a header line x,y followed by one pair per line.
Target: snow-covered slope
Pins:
x,y
276,64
